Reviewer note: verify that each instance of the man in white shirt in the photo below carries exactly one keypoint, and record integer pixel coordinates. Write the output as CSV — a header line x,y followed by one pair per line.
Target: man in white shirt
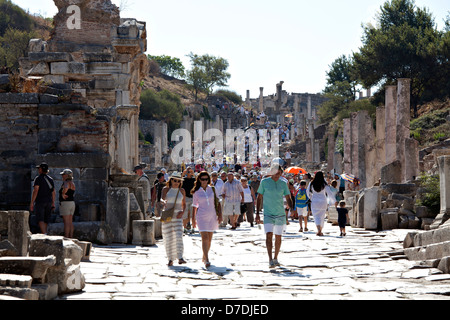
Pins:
x,y
233,195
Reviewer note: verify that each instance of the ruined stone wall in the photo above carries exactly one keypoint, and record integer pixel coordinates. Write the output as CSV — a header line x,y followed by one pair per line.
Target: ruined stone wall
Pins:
x,y
64,135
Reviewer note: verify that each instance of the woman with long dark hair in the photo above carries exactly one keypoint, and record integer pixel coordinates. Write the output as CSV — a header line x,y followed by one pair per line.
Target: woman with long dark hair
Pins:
x,y
204,212
320,194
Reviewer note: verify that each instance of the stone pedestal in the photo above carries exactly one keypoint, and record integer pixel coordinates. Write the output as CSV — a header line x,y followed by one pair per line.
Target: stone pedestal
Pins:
x,y
144,232
372,205
444,175
118,213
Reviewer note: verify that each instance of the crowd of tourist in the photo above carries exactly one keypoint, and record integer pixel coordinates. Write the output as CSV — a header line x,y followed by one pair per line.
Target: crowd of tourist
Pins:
x,y
225,196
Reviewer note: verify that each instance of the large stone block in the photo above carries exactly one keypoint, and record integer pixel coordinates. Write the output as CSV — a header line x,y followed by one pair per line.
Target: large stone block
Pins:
x,y
50,56
18,228
36,267
389,220
118,213
19,98
67,68
392,172
62,248
144,232
372,205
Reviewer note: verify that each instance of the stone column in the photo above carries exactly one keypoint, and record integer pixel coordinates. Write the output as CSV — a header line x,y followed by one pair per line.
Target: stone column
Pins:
x,y
444,176
347,161
261,99
391,124
403,120
18,227
381,139
331,147
411,167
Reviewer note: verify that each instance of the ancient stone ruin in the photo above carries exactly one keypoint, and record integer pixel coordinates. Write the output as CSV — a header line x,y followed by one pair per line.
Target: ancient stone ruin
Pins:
x,y
78,109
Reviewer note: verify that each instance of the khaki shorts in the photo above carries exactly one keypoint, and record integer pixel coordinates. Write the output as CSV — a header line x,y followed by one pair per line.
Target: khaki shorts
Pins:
x,y
231,208
67,208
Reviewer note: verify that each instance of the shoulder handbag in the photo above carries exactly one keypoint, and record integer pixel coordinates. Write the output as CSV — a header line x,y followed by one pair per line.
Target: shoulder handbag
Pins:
x,y
167,214
216,202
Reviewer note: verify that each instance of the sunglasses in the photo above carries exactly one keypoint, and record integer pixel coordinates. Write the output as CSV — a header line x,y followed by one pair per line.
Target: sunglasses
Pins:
x,y
204,179
176,180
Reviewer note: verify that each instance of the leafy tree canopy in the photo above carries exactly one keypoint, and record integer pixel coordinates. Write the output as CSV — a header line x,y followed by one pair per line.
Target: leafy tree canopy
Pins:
x,y
404,44
170,66
207,72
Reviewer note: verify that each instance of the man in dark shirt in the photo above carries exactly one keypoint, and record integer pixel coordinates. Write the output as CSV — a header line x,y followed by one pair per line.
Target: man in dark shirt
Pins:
x,y
188,185
43,197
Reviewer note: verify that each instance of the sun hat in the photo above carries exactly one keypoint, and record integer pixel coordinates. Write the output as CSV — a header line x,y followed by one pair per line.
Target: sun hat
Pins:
x,y
67,171
176,175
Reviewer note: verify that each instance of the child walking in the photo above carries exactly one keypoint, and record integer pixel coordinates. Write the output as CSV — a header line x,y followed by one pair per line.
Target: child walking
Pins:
x,y
342,217
301,199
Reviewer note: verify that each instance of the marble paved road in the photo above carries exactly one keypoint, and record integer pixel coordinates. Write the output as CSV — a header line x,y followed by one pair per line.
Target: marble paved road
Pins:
x,y
362,265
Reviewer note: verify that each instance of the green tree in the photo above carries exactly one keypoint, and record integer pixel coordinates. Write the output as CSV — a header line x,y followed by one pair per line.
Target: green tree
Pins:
x,y
170,66
163,105
14,45
207,72
340,78
405,44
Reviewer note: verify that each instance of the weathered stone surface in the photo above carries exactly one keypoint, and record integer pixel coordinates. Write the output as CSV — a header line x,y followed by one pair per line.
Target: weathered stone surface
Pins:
x,y
391,173
8,249
60,247
18,228
389,220
47,291
118,213
37,267
19,98
444,265
41,68
144,232
21,293
372,205
432,251
14,280
50,56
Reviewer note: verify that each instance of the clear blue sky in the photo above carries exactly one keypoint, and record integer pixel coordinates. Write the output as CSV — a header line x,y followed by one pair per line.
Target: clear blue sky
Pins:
x,y
264,41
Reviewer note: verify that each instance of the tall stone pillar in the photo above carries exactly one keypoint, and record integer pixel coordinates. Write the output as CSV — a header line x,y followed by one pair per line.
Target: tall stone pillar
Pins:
x,y
391,124
411,167
403,120
347,161
261,99
381,138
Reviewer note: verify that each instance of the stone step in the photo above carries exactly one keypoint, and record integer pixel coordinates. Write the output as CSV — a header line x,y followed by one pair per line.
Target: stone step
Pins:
x,y
36,267
14,280
418,239
428,252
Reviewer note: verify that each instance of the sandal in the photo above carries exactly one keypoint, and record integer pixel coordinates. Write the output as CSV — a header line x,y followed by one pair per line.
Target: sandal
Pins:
x,y
301,230
207,264
170,263
182,261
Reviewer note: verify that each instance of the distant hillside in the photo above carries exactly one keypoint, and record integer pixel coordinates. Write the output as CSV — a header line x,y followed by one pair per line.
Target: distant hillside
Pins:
x,y
17,27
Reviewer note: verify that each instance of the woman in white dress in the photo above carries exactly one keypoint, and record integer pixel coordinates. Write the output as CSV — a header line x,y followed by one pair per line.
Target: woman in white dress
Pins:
x,y
320,194
172,231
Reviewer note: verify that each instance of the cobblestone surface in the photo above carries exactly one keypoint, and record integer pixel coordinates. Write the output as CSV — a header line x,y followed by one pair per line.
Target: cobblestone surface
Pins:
x,y
362,265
